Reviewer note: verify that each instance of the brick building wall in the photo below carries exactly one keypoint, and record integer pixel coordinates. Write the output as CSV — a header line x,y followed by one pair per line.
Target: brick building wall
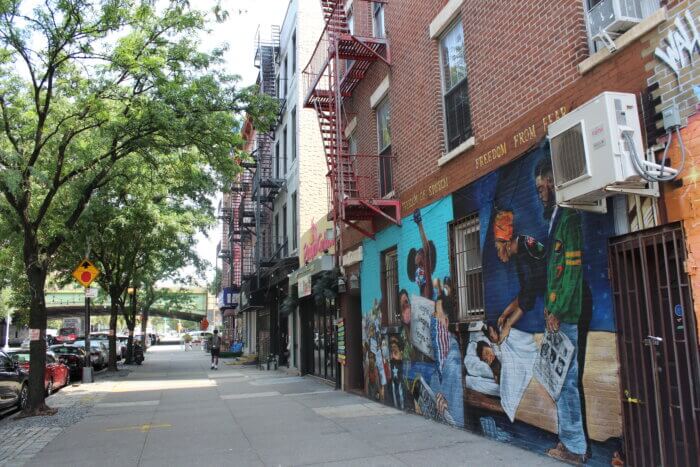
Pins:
x,y
528,64
681,88
542,80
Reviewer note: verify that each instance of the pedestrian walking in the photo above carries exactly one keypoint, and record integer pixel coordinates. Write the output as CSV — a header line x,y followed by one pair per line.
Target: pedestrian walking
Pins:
x,y
215,347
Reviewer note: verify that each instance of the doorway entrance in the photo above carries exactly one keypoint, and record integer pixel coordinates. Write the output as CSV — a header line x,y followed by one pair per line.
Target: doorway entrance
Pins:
x,y
658,347
319,348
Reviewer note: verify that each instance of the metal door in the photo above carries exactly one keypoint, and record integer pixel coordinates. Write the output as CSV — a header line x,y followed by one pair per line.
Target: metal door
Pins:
x,y
658,347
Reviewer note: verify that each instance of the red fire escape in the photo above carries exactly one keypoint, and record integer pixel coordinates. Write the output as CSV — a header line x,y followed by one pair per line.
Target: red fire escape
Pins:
x,y
339,63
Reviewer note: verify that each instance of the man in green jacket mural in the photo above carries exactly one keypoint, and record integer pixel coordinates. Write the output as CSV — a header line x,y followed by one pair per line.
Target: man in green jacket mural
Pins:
x,y
563,308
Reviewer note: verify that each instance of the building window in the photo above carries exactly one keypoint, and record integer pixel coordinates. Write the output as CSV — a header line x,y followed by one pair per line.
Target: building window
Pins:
x,y
282,77
454,82
384,137
466,254
352,146
295,226
284,150
390,287
277,231
277,160
351,28
294,53
294,134
284,230
378,20
286,72
601,15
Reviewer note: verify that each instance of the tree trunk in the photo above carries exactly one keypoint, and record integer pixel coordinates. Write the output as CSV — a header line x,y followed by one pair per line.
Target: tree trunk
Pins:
x,y
130,318
36,274
144,327
113,313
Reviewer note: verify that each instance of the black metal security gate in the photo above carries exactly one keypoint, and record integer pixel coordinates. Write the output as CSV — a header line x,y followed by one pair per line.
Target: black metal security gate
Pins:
x,y
658,346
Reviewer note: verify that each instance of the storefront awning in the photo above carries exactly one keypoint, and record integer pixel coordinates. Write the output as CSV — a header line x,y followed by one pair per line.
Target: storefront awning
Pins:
x,y
302,276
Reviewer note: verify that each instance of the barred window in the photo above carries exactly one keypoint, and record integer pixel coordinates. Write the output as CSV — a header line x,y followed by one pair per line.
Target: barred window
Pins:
x,y
390,286
466,254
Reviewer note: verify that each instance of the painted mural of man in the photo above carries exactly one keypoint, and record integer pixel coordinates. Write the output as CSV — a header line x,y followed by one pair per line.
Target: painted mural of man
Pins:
x,y
529,256
563,309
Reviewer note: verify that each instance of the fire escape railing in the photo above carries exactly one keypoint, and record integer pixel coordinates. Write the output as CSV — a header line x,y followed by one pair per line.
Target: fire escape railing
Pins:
x,y
338,64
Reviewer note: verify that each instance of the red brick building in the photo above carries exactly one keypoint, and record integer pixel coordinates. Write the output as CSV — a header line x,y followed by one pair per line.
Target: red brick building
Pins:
x,y
435,116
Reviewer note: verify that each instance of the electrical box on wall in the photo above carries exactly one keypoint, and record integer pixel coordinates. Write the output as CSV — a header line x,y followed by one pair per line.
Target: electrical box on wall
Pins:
x,y
592,149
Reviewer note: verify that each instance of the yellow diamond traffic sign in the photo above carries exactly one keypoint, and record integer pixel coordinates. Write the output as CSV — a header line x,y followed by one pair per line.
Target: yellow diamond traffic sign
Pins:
x,y
85,273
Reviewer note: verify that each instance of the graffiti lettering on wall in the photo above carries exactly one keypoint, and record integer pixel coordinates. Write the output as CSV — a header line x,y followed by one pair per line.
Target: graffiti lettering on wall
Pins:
x,y
515,336
681,44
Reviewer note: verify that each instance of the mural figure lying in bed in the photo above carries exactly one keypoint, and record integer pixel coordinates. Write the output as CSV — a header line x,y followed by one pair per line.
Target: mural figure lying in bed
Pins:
x,y
500,362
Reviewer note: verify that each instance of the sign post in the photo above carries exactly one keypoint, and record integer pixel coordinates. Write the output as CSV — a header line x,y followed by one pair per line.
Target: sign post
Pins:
x,y
86,273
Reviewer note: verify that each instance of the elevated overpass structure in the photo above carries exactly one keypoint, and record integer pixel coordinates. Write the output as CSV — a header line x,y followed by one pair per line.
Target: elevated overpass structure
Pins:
x,y
186,305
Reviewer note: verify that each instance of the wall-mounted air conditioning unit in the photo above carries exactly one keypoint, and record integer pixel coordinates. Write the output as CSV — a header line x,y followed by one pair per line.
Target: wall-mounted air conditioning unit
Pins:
x,y
614,16
592,152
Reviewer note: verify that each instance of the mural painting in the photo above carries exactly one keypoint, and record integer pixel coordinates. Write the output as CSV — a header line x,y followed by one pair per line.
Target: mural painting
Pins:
x,y
535,364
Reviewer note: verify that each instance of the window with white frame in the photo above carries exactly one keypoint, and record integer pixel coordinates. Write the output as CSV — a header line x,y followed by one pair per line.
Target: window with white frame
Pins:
x,y
378,26
466,254
384,138
458,127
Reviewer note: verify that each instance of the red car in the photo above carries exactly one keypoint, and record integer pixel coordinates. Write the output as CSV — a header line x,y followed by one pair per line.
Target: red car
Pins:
x,y
71,356
67,335
56,376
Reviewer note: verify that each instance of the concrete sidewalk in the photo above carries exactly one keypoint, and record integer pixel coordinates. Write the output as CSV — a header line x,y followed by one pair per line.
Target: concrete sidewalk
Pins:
x,y
174,411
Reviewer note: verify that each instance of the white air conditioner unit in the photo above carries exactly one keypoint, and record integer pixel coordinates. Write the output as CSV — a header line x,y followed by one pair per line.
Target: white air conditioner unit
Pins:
x,y
591,159
614,16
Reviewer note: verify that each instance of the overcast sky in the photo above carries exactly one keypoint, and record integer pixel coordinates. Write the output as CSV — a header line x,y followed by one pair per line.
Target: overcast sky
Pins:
x,y
238,31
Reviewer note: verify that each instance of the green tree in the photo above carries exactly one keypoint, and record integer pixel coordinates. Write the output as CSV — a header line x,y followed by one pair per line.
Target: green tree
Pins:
x,y
215,285
87,86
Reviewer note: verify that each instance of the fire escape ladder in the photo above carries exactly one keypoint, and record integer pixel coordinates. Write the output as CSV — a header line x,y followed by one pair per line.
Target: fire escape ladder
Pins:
x,y
337,66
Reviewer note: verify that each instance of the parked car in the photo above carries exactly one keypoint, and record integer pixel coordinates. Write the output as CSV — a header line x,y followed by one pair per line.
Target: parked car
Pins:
x,y
71,356
67,335
99,354
14,384
104,338
56,374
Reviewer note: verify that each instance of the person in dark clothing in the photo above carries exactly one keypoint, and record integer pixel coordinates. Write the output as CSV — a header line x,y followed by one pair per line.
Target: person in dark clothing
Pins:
x,y
215,348
529,256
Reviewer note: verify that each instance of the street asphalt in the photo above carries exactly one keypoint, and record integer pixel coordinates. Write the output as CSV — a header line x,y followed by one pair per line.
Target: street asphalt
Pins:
x,y
175,411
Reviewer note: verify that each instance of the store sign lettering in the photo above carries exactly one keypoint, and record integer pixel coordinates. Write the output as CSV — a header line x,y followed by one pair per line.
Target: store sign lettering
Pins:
x,y
317,245
680,44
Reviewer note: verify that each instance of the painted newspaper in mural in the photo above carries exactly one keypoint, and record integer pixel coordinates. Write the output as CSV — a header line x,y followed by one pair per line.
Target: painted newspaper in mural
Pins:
x,y
516,338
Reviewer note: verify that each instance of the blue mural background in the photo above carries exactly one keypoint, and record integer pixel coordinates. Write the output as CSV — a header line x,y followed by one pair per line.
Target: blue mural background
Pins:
x,y
511,188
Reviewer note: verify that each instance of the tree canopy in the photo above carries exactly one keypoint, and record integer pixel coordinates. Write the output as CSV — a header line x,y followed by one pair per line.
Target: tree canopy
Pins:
x,y
95,91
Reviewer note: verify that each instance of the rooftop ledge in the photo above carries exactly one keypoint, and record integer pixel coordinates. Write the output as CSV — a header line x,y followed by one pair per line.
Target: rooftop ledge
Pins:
x,y
646,25
468,144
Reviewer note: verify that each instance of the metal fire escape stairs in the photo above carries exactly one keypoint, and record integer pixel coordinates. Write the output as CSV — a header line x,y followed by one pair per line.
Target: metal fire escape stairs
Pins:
x,y
339,63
